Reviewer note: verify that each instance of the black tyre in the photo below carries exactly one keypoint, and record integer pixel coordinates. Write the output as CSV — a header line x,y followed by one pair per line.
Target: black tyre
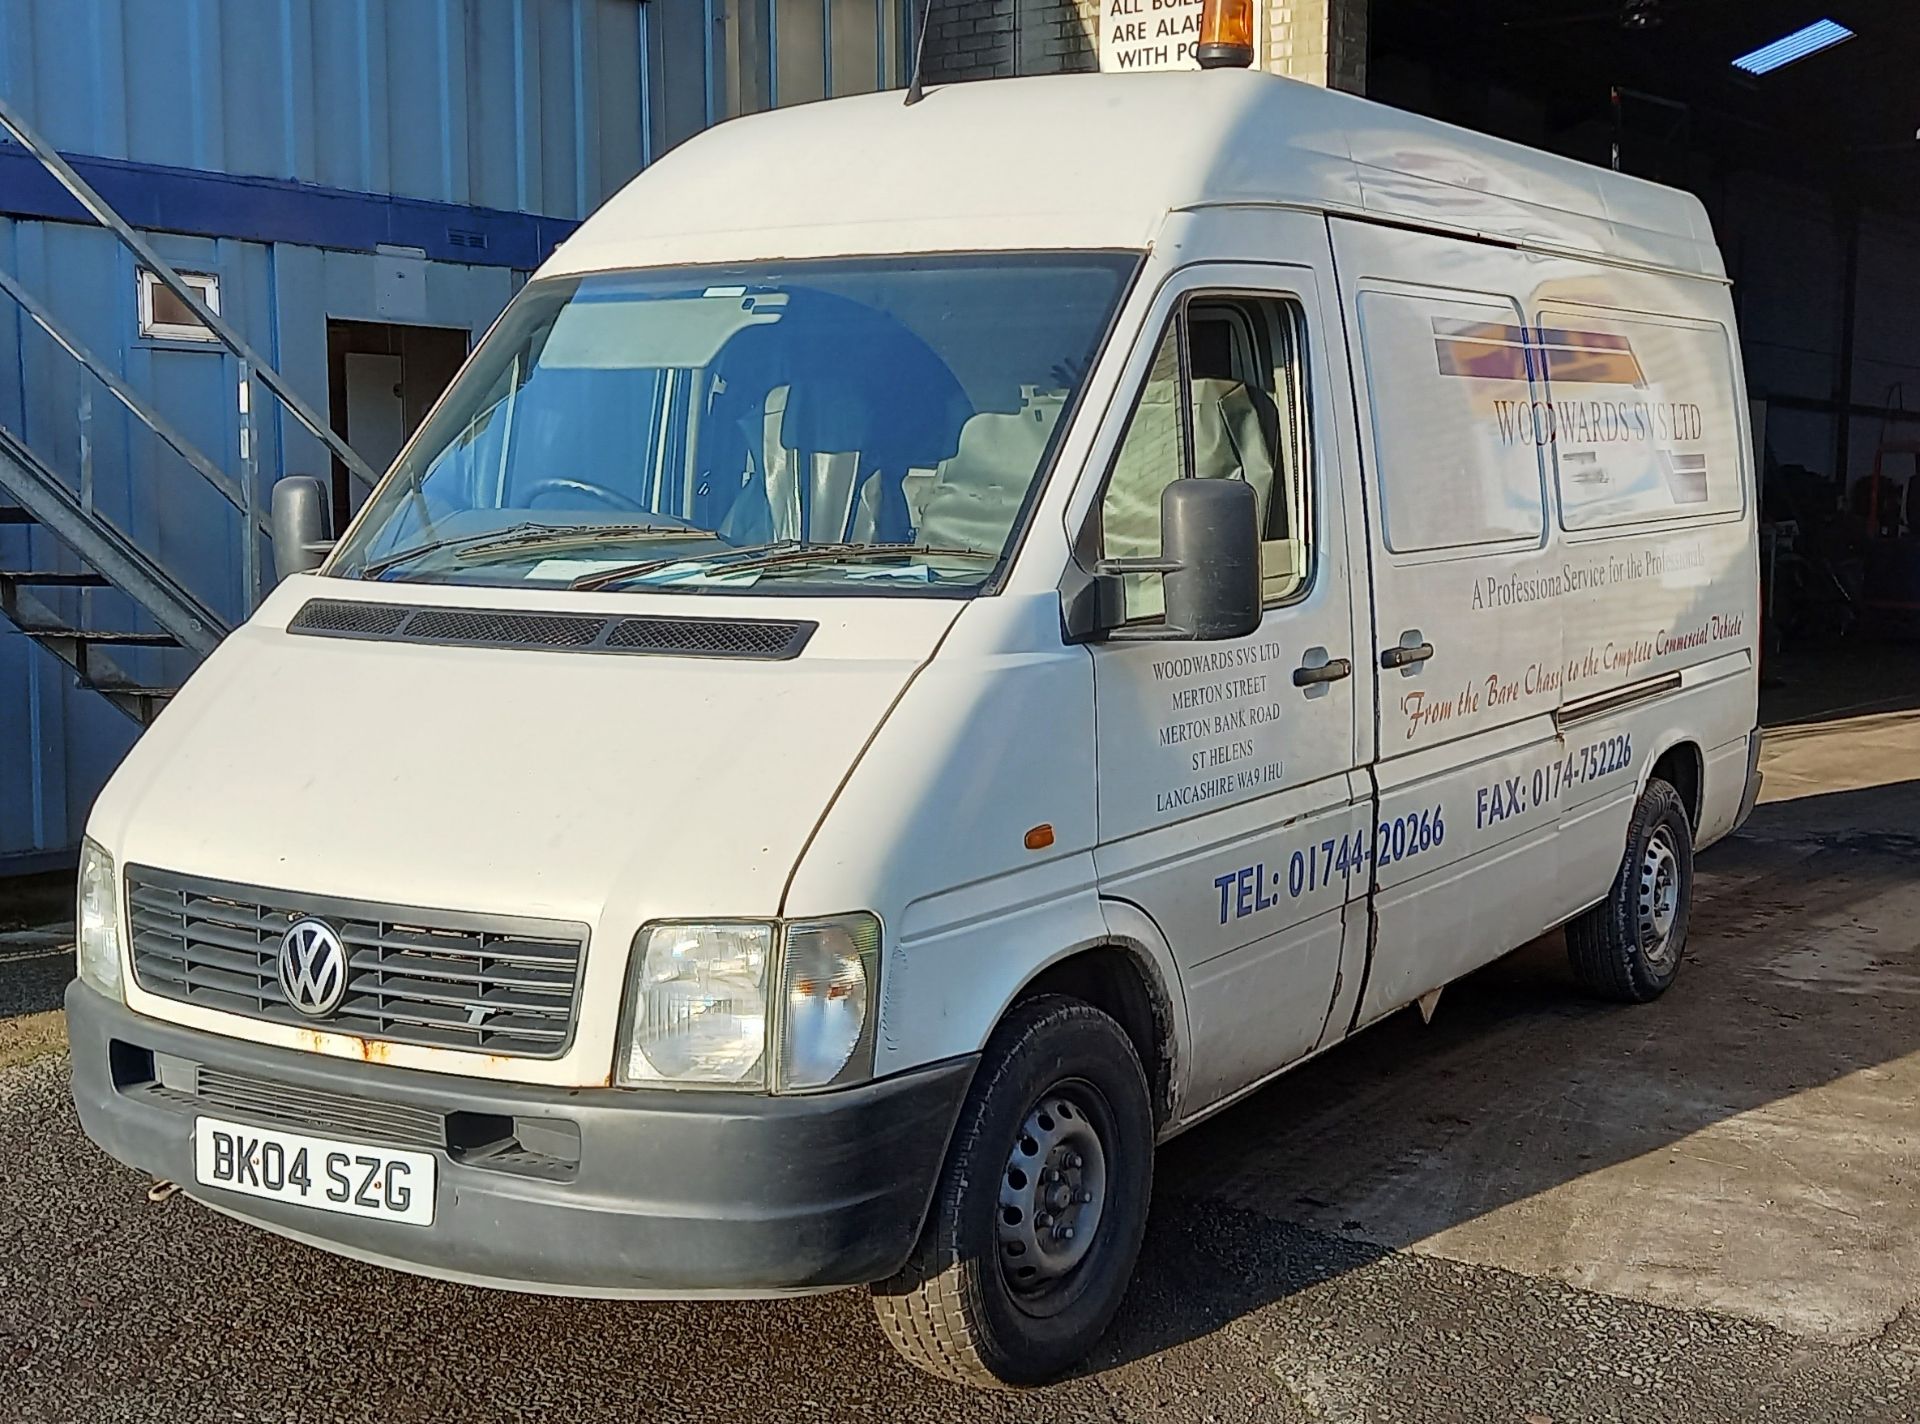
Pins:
x,y
1037,1219
1629,946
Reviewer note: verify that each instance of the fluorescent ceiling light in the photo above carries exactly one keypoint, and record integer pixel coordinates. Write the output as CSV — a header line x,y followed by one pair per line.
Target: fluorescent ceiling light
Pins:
x,y
1811,39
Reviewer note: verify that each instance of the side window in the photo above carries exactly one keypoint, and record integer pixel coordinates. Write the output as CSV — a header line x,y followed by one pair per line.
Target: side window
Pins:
x,y
1452,386
1639,418
1152,455
1236,411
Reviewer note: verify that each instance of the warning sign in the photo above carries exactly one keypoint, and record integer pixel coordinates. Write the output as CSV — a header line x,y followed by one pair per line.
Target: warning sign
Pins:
x,y
1152,34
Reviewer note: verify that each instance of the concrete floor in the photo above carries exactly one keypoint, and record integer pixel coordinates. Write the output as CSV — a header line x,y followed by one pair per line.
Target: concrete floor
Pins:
x,y
1534,1209
1750,1144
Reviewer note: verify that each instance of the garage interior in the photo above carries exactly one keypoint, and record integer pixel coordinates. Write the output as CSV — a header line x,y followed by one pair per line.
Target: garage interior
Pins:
x,y
1811,176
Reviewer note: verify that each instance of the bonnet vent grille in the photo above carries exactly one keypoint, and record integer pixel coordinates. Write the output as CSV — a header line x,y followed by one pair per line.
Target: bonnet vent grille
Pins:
x,y
767,639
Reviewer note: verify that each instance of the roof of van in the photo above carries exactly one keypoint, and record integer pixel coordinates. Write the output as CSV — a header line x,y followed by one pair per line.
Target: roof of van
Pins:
x,y
1098,161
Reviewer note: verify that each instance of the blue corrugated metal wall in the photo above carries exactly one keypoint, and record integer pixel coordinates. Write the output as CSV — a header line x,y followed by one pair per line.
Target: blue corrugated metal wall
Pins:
x,y
528,105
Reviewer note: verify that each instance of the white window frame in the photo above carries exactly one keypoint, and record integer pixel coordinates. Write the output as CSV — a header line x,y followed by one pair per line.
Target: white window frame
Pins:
x,y
206,286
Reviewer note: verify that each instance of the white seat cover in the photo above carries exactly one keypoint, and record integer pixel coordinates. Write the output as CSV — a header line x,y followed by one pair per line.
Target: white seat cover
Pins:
x,y
976,494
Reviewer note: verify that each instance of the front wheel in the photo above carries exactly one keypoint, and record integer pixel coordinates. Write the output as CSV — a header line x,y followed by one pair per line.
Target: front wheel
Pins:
x,y
1629,946
1041,1205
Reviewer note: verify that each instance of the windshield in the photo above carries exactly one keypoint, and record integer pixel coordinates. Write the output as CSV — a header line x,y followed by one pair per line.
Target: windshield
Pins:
x,y
871,424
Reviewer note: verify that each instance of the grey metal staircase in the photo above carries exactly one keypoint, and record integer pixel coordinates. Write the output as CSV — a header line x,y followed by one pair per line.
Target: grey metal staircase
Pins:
x,y
30,596
135,655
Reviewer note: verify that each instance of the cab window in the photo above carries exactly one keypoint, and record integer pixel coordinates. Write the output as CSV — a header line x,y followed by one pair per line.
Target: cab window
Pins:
x,y
1225,398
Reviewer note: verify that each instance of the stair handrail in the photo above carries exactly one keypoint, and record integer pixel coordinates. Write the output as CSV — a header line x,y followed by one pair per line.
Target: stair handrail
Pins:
x,y
112,553
104,214
142,410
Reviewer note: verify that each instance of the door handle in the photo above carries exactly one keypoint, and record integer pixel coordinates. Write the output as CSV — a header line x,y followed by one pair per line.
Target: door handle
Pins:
x,y
1330,671
1406,657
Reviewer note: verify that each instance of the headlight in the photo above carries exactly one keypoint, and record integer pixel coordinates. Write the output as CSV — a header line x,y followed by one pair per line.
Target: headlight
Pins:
x,y
697,1007
827,970
97,921
704,1001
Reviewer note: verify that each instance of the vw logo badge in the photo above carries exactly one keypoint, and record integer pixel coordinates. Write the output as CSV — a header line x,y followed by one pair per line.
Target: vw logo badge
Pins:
x,y
313,967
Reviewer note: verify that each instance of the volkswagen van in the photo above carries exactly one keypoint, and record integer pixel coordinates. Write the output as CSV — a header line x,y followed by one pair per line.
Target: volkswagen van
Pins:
x,y
919,661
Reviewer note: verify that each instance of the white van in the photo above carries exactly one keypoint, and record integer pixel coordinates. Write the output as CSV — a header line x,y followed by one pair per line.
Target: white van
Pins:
x,y
931,649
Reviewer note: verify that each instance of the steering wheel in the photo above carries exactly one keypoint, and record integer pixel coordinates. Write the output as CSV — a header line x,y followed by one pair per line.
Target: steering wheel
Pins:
x,y
612,498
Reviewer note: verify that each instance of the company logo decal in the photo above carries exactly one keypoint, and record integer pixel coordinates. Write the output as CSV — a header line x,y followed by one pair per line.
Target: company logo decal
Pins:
x,y
1491,351
1577,426
313,967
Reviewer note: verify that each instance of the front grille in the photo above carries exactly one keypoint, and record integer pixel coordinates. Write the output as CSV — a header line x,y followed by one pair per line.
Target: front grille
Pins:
x,y
435,978
764,639
316,1111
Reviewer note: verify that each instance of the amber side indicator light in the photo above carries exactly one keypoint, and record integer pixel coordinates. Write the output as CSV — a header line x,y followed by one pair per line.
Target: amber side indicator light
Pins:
x,y
1040,837
1226,35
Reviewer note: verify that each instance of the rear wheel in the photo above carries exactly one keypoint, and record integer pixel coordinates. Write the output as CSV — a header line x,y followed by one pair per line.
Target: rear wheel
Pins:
x,y
1629,946
1037,1220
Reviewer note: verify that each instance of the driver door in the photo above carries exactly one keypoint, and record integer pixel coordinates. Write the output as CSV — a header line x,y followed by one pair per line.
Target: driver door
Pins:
x,y
1230,809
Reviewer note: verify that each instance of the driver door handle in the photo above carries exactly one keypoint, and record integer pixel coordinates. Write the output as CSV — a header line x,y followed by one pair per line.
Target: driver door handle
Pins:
x,y
1406,657
1330,671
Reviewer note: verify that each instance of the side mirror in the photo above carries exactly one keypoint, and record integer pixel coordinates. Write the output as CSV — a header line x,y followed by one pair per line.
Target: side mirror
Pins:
x,y
1210,567
302,535
1210,543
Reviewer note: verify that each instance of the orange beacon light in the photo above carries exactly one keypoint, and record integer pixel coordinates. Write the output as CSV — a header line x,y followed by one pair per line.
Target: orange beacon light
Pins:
x,y
1226,34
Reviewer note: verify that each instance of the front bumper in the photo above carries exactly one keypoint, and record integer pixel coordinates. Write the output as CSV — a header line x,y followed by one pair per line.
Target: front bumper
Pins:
x,y
572,1191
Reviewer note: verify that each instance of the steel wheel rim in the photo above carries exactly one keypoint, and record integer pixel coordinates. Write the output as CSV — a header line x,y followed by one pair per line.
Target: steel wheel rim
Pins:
x,y
1053,1194
1658,900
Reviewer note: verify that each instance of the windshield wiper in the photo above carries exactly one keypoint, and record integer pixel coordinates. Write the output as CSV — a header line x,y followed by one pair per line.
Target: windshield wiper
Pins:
x,y
560,536
528,534
755,558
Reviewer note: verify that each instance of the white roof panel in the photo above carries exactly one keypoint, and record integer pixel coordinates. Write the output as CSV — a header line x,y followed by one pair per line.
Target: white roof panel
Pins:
x,y
1099,160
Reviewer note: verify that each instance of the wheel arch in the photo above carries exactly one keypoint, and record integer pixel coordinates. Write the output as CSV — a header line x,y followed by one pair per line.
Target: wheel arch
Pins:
x,y
1129,976
1683,766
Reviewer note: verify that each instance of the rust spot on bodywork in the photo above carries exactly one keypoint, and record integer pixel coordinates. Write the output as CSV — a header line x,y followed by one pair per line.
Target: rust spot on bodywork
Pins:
x,y
342,1045
374,1050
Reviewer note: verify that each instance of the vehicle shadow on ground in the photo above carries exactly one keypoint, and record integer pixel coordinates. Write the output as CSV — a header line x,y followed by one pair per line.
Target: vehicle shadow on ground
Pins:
x,y
1803,968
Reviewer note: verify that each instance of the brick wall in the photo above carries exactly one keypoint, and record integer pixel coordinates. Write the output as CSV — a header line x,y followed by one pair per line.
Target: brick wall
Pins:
x,y
986,39
970,39
1057,36
1320,41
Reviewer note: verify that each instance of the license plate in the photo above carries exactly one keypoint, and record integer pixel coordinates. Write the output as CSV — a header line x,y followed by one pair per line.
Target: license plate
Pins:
x,y
319,1172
